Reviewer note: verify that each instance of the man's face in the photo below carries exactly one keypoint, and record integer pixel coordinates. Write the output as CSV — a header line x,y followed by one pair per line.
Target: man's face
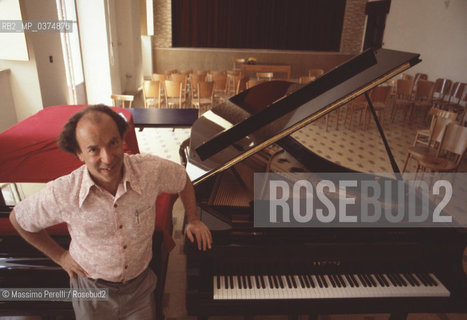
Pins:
x,y
101,149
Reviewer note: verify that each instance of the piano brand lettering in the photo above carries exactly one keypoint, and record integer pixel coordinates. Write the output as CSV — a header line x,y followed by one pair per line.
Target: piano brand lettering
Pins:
x,y
283,201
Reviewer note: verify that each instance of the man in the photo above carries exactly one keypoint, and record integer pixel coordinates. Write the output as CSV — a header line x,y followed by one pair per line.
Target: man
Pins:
x,y
108,205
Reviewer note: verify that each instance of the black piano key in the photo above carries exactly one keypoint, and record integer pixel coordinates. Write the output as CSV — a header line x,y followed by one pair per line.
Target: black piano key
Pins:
x,y
239,281
432,280
393,281
342,280
372,281
231,281
401,280
263,284
276,282
422,279
397,279
408,279
310,280
380,280
281,283
367,281
226,281
362,280
318,278
386,283
218,276
245,286
294,283
414,279
325,282
272,281
354,280
349,280
337,281
258,281
333,284
248,278
289,283
302,281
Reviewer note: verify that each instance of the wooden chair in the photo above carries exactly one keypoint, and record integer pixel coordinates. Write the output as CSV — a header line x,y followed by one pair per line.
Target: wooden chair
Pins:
x,y
440,91
169,72
194,79
357,105
417,78
306,79
402,98
379,98
232,80
455,95
436,135
237,63
174,94
264,76
450,153
241,84
151,93
122,100
423,97
457,101
220,86
315,73
423,135
161,77
204,98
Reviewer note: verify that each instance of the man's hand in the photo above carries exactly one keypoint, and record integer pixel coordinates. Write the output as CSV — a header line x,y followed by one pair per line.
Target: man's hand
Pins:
x,y
197,229
69,264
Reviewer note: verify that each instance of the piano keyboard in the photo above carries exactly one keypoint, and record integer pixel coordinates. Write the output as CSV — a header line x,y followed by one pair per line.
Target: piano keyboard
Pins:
x,y
324,286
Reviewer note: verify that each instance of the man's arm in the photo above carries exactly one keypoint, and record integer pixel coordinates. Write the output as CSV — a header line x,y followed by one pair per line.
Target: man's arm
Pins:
x,y
43,242
194,228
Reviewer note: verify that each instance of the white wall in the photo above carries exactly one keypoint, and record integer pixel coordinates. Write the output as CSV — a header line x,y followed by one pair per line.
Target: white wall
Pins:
x,y
37,83
129,44
92,20
52,75
7,105
434,28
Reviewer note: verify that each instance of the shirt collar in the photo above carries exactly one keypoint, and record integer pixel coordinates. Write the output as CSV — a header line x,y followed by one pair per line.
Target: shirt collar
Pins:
x,y
128,180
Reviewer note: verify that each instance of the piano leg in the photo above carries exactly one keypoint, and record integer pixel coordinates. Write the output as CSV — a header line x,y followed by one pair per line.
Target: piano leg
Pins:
x,y
398,316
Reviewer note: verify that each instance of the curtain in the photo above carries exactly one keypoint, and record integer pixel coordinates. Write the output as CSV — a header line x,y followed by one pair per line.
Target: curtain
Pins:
x,y
258,24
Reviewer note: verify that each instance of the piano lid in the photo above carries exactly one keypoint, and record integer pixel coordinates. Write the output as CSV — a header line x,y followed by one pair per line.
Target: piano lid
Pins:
x,y
264,114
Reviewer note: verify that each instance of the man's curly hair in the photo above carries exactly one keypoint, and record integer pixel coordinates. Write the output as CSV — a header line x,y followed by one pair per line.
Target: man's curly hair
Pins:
x,y
67,138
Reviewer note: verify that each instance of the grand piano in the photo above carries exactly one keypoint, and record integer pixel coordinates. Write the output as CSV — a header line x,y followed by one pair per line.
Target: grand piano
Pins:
x,y
305,271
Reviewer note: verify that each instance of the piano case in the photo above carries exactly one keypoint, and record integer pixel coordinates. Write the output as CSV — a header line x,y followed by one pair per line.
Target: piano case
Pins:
x,y
231,142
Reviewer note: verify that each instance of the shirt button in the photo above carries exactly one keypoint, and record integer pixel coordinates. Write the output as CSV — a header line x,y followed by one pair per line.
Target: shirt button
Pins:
x,y
120,226
115,205
126,267
124,247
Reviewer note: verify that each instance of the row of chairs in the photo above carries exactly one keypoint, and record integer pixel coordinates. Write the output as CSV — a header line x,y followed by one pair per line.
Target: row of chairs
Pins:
x,y
441,148
423,94
197,88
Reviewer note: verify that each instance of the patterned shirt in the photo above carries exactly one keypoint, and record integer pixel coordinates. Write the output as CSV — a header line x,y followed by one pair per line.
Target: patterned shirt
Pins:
x,y
111,236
